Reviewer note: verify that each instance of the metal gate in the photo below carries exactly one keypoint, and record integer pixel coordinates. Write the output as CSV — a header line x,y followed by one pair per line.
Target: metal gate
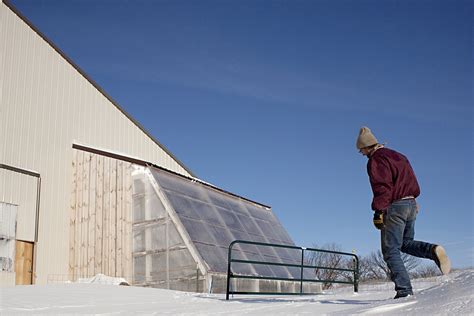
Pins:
x,y
302,265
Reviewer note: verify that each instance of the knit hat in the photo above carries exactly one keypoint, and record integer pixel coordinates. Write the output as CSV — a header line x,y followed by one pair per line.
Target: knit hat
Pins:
x,y
366,138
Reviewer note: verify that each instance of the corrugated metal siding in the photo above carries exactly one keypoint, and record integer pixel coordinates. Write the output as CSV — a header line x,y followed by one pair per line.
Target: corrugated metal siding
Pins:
x,y
20,189
46,105
2,70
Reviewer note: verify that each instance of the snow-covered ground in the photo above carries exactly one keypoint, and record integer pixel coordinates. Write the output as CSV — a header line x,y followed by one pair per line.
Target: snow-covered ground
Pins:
x,y
447,295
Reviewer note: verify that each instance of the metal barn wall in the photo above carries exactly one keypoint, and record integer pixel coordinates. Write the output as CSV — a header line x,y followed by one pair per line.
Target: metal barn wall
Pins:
x,y
46,105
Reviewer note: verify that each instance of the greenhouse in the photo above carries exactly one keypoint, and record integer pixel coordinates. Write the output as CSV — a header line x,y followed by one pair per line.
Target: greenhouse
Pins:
x,y
182,228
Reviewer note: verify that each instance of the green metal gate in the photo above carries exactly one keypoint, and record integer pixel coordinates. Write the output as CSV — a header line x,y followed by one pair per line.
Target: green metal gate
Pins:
x,y
301,266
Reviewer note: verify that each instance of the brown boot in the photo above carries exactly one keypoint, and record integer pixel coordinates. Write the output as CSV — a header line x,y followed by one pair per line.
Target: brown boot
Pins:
x,y
441,259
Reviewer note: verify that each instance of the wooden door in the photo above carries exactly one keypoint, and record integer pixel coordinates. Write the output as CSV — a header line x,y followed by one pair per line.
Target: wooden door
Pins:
x,y
24,263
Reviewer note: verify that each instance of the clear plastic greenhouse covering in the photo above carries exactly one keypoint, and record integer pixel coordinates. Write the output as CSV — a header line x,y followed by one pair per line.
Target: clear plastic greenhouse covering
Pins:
x,y
214,218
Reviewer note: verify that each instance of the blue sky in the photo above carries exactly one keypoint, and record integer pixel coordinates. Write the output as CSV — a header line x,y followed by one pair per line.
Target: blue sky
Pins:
x,y
265,99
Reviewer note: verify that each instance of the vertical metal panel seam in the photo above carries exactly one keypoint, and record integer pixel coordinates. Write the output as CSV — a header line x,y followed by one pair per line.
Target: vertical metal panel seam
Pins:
x,y
29,158
59,166
26,114
16,159
20,118
65,155
3,45
17,113
51,231
10,115
3,113
40,96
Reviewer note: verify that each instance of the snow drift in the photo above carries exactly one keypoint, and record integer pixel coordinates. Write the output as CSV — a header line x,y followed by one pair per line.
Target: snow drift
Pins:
x,y
445,295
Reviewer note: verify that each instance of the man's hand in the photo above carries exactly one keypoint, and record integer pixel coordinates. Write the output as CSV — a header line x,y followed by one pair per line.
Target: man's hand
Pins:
x,y
378,219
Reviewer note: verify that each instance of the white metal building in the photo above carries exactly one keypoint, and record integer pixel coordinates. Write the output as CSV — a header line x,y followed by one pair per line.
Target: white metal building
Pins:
x,y
84,189
48,105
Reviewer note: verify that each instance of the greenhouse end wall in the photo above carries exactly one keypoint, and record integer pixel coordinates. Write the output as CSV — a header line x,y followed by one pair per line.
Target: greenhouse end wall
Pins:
x,y
161,258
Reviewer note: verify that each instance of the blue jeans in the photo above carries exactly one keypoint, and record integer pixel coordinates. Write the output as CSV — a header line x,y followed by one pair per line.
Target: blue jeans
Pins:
x,y
398,235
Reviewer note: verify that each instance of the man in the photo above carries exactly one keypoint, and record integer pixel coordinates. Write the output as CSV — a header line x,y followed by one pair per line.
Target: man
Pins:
x,y
395,189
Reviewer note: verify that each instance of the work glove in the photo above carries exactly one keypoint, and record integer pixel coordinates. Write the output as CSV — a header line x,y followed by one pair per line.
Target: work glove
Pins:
x,y
378,219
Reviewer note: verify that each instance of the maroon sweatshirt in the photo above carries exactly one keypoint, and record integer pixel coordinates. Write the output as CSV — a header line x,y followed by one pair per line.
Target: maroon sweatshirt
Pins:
x,y
391,177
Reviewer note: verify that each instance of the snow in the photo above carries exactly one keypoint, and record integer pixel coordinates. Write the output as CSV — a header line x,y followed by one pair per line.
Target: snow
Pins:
x,y
103,279
446,295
